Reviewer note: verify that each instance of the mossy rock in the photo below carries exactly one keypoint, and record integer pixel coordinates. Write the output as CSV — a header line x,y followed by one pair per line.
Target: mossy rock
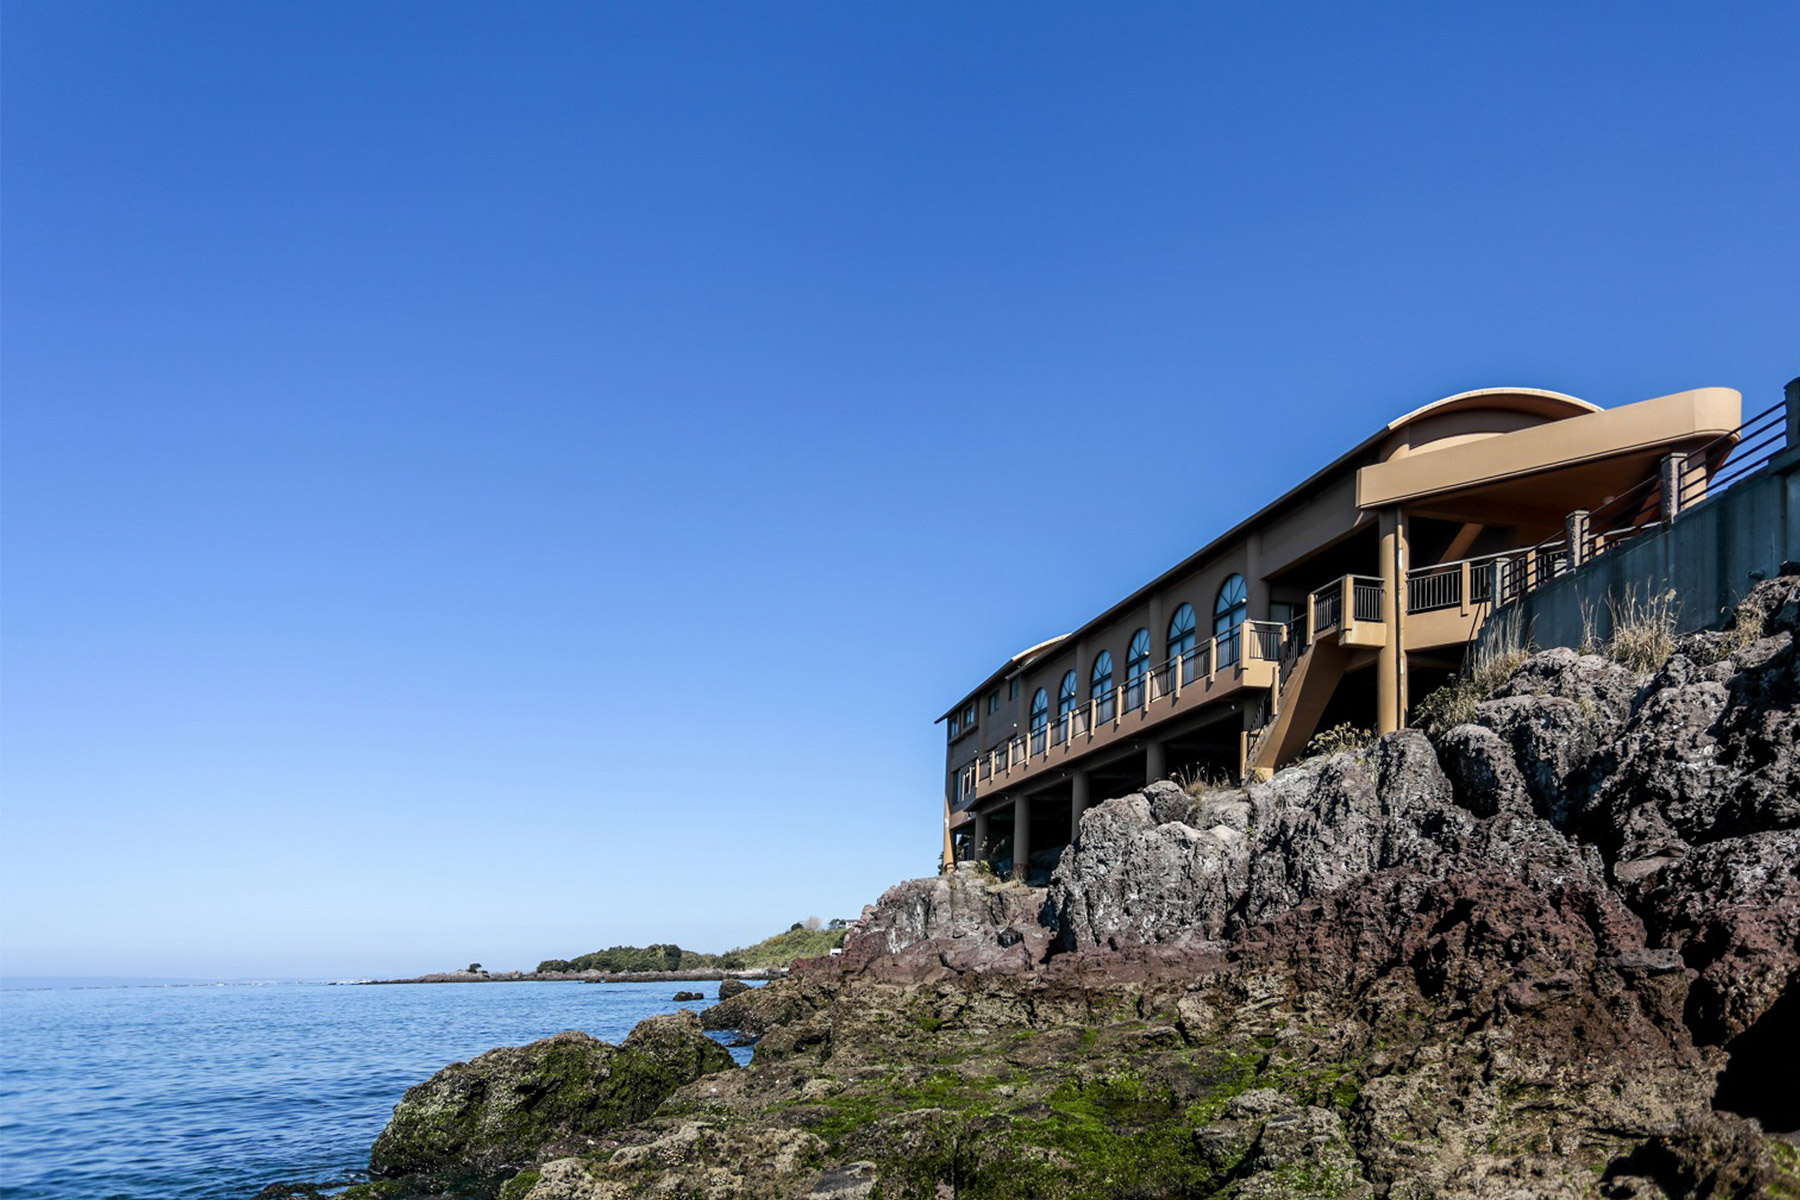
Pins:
x,y
491,1116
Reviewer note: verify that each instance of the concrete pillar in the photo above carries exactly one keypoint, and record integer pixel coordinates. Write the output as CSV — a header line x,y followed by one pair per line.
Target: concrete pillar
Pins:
x,y
1674,466
948,863
1390,662
1246,730
981,837
1575,532
1021,838
1156,761
1078,803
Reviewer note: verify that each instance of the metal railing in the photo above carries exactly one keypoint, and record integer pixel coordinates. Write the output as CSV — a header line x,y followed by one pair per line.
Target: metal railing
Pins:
x,y
1436,587
1708,471
1686,478
1327,609
1265,641
1230,646
1327,603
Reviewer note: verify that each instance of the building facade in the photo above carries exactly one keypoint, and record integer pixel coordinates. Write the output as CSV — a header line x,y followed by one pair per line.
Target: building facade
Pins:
x,y
1342,602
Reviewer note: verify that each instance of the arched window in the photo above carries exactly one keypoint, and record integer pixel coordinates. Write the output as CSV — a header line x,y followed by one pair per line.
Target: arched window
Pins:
x,y
1100,686
1181,642
1066,698
1181,632
1137,666
1040,717
1229,612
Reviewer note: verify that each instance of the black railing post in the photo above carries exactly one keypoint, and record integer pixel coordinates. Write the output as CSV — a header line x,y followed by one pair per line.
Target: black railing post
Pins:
x,y
1792,395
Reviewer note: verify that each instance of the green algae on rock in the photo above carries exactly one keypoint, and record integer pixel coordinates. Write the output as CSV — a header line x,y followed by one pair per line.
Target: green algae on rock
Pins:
x,y
494,1115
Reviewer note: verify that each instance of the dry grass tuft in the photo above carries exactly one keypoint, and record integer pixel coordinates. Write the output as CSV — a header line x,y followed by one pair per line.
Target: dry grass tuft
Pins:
x,y
1339,739
1198,781
1749,625
1643,631
1486,668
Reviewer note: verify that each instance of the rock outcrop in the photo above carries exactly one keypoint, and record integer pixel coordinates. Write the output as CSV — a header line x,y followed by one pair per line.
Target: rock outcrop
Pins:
x,y
1553,951
498,1113
960,922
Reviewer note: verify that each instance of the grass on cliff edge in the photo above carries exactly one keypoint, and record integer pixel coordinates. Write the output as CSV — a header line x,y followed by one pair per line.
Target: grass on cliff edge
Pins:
x,y
776,951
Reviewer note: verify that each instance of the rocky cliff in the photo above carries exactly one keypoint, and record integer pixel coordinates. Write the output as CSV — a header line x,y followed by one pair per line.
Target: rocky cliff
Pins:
x,y
1550,951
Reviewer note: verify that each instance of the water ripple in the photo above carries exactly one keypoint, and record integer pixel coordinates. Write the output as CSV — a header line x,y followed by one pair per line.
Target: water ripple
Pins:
x,y
208,1093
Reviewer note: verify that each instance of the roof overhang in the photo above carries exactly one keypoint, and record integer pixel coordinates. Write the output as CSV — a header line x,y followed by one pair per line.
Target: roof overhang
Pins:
x,y
1009,668
1577,459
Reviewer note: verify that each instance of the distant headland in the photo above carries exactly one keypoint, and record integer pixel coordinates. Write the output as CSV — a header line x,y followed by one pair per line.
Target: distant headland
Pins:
x,y
659,961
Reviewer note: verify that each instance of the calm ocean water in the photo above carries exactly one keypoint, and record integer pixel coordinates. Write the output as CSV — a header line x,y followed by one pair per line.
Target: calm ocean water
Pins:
x,y
196,1093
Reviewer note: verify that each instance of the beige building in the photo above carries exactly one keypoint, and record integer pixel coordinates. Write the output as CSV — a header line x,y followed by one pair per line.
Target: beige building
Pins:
x,y
1344,601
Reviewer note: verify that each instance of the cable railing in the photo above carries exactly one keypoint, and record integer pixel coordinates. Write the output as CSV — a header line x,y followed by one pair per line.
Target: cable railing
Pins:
x,y
1706,473
1685,479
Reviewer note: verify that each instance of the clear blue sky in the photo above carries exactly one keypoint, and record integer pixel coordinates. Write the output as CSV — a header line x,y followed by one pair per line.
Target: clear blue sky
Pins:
x,y
495,481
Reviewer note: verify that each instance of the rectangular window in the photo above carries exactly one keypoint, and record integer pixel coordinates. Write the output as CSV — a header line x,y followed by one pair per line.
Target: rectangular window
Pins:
x,y
955,728
969,715
993,703
1012,690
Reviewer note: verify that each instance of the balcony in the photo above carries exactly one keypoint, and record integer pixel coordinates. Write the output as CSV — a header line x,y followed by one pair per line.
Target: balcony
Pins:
x,y
1350,608
1248,657
1445,605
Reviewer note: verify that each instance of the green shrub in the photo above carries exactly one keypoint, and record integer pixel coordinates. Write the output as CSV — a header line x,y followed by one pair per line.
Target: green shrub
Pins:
x,y
778,951
784,948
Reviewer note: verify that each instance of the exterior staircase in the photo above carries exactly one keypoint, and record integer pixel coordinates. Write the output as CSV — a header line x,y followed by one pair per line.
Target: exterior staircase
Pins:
x,y
1306,688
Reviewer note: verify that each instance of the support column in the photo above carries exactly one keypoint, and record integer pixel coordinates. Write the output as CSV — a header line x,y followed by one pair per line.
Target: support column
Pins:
x,y
949,861
1021,838
1390,662
1246,731
1575,532
1078,803
1156,763
1674,466
981,837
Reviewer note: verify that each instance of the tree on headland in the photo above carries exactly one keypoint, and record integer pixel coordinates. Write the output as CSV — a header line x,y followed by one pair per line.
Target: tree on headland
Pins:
x,y
804,939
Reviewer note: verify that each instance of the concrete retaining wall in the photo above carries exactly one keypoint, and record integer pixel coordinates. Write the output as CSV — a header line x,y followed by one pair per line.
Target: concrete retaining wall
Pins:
x,y
1709,556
